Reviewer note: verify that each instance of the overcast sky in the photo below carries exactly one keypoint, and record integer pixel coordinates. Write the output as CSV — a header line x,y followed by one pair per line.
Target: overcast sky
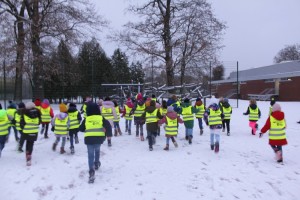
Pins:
x,y
257,29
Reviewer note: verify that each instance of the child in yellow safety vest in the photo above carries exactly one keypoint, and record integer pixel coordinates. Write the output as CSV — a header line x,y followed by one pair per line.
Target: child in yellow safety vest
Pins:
x,y
116,121
11,110
254,114
75,119
227,111
4,123
276,125
126,114
199,115
60,125
47,115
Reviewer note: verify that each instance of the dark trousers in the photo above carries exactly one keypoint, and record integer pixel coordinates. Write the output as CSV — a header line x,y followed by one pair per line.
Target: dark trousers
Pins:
x,y
29,147
45,127
73,133
2,141
226,123
15,130
151,135
22,139
276,148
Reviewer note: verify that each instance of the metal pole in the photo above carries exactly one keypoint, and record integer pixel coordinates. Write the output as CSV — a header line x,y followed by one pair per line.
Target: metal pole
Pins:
x,y
152,72
92,80
237,84
4,84
63,82
210,78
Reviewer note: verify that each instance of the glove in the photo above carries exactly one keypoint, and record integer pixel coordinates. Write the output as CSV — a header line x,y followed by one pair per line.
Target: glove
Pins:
x,y
52,128
260,135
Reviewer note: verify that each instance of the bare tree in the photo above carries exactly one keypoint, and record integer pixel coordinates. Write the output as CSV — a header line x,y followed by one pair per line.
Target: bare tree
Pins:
x,y
178,32
291,52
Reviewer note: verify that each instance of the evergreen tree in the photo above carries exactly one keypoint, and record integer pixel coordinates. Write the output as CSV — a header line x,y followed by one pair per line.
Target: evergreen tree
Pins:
x,y
121,72
137,73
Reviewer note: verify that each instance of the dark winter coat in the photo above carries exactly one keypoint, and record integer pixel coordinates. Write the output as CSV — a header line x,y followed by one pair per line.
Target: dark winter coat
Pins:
x,y
226,105
153,126
279,116
93,109
190,123
31,113
253,107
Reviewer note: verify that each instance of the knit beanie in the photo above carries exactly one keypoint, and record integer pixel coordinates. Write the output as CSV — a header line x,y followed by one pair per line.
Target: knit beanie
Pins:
x,y
170,109
29,105
46,101
21,105
63,108
72,105
276,107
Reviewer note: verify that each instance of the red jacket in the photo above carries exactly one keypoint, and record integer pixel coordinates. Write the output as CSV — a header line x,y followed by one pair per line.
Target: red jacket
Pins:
x,y
279,116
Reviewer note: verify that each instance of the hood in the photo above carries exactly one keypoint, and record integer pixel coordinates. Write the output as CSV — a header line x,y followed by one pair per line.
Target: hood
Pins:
x,y
72,109
226,105
253,106
150,109
172,115
61,115
32,113
108,104
37,102
92,109
170,102
278,115
44,105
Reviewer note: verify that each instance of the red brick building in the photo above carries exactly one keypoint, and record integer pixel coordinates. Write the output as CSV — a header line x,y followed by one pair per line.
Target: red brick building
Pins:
x,y
281,80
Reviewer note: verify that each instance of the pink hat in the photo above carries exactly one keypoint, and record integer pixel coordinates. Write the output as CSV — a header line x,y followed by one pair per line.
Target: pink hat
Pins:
x,y
276,107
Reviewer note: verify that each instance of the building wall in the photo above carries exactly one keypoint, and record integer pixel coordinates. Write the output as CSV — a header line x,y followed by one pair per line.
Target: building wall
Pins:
x,y
290,90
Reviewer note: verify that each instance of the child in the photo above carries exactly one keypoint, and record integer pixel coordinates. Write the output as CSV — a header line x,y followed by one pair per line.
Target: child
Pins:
x,y
17,120
60,125
4,123
254,114
221,102
227,111
199,115
11,110
277,136
116,121
171,119
152,115
96,129
30,122
138,110
187,112
213,118
75,119
47,115
128,118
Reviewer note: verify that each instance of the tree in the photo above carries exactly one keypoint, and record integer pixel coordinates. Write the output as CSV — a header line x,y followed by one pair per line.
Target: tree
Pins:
x,y
218,73
137,74
119,62
291,52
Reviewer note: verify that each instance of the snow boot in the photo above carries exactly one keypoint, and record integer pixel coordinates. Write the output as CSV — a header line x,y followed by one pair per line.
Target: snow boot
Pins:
x,y
201,131
190,139
92,176
62,150
175,144
97,165
186,137
126,129
228,133
46,136
116,132
109,142
20,150
119,131
72,150
166,148
28,159
150,148
279,156
217,147
212,147
54,146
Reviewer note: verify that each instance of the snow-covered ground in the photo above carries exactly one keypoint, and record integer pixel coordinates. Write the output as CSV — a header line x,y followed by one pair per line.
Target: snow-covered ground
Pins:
x,y
243,169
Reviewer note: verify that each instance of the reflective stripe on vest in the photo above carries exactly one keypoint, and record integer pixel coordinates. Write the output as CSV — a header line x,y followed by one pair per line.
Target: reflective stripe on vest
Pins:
x,y
253,114
201,111
187,113
31,125
61,126
18,119
107,113
172,126
84,110
74,123
139,110
277,129
214,117
128,110
227,112
151,117
163,111
4,124
118,114
45,114
94,126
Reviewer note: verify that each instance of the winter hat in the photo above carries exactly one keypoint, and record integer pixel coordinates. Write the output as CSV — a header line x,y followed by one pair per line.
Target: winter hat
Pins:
x,y
12,105
63,108
276,107
46,101
170,109
2,114
100,102
225,100
29,105
198,99
92,109
139,96
37,102
186,100
21,105
72,105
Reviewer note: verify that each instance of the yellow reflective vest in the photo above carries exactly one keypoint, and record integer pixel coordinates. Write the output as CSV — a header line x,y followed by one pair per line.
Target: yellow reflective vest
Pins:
x,y
107,113
31,125
4,124
253,114
227,112
214,117
18,120
61,126
128,110
163,111
11,113
74,123
94,126
201,111
151,117
139,110
45,114
277,129
187,113
172,126
118,114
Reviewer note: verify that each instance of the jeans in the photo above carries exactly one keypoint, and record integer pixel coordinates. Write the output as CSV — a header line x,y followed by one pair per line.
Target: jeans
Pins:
x,y
72,134
215,136
189,132
93,155
128,125
139,127
15,130
63,140
116,125
227,124
151,137
200,123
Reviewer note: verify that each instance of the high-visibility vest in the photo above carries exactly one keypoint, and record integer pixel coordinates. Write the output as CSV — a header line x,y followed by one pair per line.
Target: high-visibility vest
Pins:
x,y
227,112
38,107
118,114
187,113
45,114
153,99
107,113
214,117
31,125
11,113
139,110
94,126
128,110
74,123
253,114
163,111
277,129
201,111
4,124
172,126
84,110
151,117
270,110
18,120
61,126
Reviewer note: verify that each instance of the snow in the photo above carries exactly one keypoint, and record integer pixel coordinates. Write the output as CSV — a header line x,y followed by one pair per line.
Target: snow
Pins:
x,y
243,169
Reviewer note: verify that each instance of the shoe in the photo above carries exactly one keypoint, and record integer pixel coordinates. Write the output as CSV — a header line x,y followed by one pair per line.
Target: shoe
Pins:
x,y
116,133
252,132
228,133
186,137
217,147
212,147
46,136
109,143
72,150
76,140
62,150
92,176
190,140
54,146
298,122
201,131
20,150
175,144
97,165
142,138
28,159
150,148
166,148
279,156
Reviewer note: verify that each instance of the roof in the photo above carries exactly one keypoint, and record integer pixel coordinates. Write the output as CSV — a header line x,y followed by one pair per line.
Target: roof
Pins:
x,y
280,70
